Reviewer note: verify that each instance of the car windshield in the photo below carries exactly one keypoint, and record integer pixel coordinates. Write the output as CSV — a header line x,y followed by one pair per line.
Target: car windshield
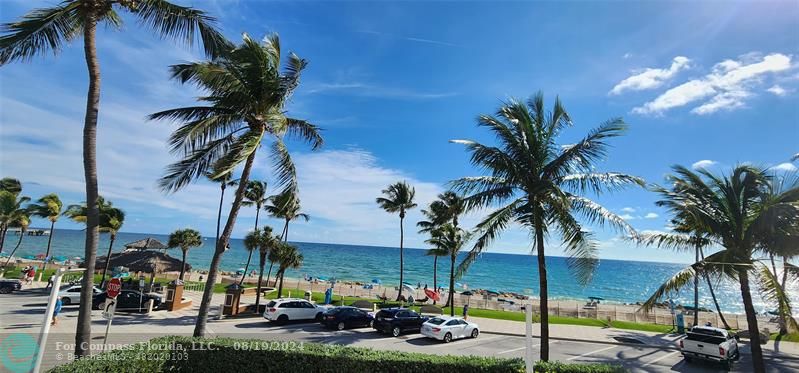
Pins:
x,y
334,311
436,321
271,304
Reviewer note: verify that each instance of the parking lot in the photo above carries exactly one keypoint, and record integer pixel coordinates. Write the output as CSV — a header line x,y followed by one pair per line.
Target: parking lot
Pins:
x,y
22,313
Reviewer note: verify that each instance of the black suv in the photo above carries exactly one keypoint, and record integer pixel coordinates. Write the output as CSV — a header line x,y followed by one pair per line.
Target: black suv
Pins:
x,y
9,286
398,320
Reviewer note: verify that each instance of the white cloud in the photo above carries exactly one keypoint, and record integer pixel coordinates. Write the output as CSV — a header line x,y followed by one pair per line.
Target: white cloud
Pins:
x,y
338,188
705,163
777,90
729,85
627,217
784,167
628,209
651,215
650,78
627,55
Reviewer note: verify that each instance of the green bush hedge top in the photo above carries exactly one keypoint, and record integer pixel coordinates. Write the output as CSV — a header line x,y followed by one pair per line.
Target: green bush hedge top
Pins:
x,y
184,354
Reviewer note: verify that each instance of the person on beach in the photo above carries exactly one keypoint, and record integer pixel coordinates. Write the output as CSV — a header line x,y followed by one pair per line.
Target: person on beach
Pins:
x,y
31,274
465,311
49,282
56,311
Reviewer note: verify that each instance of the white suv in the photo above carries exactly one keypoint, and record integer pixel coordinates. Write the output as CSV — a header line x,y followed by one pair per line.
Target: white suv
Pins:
x,y
287,309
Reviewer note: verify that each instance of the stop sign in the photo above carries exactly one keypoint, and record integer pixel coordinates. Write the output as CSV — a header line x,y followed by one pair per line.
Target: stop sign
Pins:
x,y
113,288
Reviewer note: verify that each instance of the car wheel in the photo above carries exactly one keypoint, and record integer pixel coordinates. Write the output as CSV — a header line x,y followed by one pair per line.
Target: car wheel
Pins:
x,y
396,331
66,301
5,290
282,319
371,323
475,333
318,316
447,338
340,326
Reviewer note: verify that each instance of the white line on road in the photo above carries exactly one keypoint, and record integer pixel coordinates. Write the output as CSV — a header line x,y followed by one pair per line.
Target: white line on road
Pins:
x,y
591,353
522,348
660,358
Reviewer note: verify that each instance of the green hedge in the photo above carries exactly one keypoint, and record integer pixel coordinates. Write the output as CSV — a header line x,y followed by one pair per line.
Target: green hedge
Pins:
x,y
184,354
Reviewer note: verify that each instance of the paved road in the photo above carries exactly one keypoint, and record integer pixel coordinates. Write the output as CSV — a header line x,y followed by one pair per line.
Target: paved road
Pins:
x,y
22,313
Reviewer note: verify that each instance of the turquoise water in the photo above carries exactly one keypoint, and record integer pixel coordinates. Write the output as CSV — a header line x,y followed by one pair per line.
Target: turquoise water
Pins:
x,y
615,280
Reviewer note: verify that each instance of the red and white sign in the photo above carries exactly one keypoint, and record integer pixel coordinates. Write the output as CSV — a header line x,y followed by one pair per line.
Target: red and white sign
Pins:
x,y
113,288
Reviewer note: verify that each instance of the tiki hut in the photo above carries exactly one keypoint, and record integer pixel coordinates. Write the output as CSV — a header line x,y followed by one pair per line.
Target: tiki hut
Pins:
x,y
144,261
148,243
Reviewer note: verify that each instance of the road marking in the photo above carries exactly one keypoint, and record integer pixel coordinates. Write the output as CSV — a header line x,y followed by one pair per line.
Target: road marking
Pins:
x,y
462,342
660,358
591,353
522,348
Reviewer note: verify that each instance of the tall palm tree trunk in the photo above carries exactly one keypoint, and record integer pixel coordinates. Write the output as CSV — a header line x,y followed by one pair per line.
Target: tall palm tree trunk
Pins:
x,y
183,264
261,265
249,257
47,253
270,273
451,300
542,279
751,321
783,316
435,274
83,330
280,286
221,244
219,213
713,294
3,230
21,234
108,259
402,233
696,288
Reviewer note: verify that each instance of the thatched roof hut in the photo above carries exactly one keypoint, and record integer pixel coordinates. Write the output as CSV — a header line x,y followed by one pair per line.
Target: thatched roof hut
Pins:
x,y
148,243
147,261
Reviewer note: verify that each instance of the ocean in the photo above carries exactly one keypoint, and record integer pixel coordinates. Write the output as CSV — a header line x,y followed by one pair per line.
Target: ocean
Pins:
x,y
617,281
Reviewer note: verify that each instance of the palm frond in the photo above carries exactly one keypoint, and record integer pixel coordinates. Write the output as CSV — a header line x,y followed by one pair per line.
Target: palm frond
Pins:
x,y
283,166
302,130
673,284
596,214
772,291
486,232
183,24
584,153
40,31
196,164
599,182
579,246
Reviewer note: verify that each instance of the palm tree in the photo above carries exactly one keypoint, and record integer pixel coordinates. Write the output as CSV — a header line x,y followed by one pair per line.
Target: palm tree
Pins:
x,y
11,185
111,220
224,180
695,241
264,242
244,107
449,240
446,209
21,220
184,239
45,30
255,195
48,207
285,205
398,197
287,257
10,207
540,185
744,214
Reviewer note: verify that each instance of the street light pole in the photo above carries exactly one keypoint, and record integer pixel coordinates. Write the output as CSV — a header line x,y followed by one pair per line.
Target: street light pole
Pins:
x,y
48,315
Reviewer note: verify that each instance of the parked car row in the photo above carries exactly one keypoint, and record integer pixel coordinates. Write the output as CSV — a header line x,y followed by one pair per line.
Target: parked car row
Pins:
x,y
394,321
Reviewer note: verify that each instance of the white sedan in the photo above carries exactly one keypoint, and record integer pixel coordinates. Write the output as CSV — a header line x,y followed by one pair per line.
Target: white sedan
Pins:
x,y
445,328
70,294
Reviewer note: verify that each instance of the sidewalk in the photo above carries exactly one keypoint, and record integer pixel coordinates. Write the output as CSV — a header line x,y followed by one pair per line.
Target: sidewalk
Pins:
x,y
592,334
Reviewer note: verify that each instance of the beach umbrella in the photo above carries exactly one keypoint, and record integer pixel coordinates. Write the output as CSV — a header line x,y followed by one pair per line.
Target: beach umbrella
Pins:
x,y
60,258
492,292
376,281
432,294
408,288
596,298
467,293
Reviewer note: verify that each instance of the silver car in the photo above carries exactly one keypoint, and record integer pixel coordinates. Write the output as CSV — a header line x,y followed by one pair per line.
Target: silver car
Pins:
x,y
445,328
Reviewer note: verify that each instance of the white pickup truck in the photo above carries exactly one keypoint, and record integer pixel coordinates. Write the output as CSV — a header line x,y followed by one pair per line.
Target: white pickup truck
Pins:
x,y
709,343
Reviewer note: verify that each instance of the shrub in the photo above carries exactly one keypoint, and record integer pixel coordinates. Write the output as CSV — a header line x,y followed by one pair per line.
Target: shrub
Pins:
x,y
184,354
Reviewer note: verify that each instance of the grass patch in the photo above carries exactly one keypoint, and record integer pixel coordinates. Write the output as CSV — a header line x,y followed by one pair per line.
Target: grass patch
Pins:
x,y
790,337
642,327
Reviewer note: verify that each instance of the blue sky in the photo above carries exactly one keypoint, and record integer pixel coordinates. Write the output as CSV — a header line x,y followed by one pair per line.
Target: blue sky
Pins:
x,y
711,84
